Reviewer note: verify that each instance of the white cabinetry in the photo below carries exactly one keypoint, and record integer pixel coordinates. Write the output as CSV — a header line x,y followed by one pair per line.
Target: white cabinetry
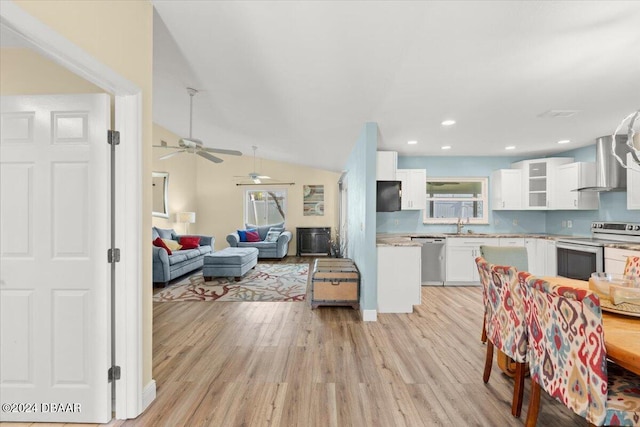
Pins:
x,y
538,180
386,165
461,259
399,278
570,177
414,188
615,259
506,189
633,183
541,256
511,241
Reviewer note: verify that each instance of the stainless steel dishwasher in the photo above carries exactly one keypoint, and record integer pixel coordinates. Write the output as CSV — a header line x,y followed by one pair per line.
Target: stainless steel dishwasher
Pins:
x,y
433,260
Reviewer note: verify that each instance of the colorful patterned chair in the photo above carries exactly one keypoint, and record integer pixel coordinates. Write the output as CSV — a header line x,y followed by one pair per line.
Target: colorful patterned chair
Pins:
x,y
567,357
505,323
515,256
632,267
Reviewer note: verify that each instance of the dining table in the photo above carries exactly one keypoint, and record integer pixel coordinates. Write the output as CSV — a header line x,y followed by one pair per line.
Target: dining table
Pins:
x,y
621,331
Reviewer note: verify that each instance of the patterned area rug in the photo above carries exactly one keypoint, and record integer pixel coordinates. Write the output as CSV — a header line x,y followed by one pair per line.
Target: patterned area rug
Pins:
x,y
267,282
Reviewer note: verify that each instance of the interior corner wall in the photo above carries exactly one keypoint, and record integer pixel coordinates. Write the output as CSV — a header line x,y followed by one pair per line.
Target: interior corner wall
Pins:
x,y
120,35
361,213
182,180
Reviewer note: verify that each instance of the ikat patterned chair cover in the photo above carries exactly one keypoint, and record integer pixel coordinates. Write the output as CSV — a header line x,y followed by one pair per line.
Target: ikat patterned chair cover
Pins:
x,y
567,357
632,267
484,271
504,321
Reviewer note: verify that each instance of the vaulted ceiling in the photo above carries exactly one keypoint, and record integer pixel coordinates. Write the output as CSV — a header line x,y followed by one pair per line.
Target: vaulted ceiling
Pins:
x,y
300,78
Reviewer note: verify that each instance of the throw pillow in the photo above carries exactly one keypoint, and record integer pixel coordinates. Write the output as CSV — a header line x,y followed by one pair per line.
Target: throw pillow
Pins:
x,y
189,242
242,234
253,236
272,236
172,244
159,243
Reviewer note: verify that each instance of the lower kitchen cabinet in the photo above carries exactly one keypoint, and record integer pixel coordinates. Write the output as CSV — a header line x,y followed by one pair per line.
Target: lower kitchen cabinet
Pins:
x,y
399,278
461,259
615,259
541,256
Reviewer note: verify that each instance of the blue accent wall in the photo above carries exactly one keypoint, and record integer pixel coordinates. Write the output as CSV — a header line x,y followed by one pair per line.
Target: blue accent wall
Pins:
x,y
361,213
613,205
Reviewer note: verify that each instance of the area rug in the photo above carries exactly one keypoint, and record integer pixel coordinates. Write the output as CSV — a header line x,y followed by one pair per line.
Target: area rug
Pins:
x,y
267,282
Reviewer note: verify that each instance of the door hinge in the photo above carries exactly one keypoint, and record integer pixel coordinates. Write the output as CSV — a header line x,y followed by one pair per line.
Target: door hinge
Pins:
x,y
114,373
113,255
113,137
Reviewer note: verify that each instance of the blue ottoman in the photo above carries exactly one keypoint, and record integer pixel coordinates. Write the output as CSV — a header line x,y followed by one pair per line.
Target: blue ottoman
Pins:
x,y
229,262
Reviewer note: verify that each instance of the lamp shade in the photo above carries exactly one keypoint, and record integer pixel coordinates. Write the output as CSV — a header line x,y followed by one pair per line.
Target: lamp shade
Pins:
x,y
188,217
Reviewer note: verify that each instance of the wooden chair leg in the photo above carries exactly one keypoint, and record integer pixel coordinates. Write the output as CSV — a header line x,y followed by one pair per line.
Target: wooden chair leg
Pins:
x,y
534,405
483,337
488,362
518,390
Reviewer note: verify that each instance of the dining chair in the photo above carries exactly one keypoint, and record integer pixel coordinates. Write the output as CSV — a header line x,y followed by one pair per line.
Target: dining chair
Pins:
x,y
567,357
515,256
632,266
505,323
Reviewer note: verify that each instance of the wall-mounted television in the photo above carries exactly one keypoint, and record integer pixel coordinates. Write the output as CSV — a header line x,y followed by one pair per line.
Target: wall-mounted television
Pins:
x,y
389,196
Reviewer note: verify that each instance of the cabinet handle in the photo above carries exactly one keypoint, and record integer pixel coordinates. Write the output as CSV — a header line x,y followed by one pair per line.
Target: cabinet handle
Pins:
x,y
575,203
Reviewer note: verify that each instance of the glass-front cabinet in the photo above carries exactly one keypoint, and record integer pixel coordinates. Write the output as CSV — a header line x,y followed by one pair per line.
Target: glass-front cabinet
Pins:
x,y
537,180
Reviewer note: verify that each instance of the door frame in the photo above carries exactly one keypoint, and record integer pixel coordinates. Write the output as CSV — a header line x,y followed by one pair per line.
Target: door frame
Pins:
x,y
132,398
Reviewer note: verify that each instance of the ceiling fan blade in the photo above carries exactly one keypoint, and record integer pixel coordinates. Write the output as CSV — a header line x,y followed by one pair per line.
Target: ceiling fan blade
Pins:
x,y
166,156
263,177
222,151
208,156
191,141
256,181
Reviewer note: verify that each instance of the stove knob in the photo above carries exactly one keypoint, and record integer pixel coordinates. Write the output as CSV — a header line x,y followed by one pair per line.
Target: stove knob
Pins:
x,y
636,228
599,225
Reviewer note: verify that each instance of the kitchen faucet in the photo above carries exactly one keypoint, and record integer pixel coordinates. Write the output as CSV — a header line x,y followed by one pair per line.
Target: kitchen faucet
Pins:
x,y
460,224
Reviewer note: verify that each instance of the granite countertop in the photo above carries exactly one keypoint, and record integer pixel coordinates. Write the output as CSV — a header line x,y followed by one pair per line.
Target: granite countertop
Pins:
x,y
404,239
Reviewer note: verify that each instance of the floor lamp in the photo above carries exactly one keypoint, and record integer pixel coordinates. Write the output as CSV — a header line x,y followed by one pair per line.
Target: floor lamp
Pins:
x,y
186,218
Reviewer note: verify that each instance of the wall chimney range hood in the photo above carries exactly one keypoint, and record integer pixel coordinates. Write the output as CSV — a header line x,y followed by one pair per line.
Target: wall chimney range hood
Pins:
x,y
610,175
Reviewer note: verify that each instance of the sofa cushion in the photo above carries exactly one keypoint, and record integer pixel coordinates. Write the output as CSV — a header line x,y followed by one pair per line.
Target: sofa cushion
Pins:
x,y
184,255
264,229
253,236
257,245
165,233
189,242
204,249
172,244
160,243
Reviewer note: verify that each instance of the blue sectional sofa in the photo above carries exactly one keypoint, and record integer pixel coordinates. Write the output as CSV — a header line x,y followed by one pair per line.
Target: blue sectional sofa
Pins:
x,y
167,267
277,249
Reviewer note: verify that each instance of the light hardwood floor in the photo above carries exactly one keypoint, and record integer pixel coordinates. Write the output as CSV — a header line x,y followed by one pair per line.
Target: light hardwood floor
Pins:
x,y
284,364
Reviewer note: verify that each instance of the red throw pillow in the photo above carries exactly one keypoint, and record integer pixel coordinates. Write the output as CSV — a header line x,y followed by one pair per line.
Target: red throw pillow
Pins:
x,y
159,243
189,242
253,236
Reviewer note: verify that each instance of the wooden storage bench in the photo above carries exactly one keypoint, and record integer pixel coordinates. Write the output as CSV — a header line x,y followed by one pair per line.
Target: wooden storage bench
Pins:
x,y
335,281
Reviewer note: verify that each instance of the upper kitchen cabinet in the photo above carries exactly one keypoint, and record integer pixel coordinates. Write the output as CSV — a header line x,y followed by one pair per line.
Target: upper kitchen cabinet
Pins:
x,y
386,165
506,189
414,188
633,183
538,180
570,177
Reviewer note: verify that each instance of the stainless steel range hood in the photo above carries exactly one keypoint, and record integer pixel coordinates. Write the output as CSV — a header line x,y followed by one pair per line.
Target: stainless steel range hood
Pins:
x,y
610,175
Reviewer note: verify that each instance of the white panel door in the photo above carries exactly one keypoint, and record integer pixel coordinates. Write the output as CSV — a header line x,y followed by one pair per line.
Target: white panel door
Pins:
x,y
55,330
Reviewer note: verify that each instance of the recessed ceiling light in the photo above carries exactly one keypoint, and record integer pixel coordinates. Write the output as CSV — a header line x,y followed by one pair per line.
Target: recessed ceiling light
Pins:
x,y
446,147
564,141
412,142
510,147
448,122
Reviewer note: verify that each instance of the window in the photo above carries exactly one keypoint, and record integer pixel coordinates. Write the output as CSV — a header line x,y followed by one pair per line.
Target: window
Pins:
x,y
451,198
263,207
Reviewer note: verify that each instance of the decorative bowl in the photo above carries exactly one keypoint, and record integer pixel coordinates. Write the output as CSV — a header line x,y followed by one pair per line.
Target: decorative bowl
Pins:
x,y
600,282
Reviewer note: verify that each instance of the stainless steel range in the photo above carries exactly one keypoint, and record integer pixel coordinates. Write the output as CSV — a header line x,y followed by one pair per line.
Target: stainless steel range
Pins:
x,y
578,257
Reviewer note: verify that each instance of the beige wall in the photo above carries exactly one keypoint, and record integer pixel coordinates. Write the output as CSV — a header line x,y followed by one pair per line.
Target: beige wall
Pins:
x,y
120,35
182,180
210,190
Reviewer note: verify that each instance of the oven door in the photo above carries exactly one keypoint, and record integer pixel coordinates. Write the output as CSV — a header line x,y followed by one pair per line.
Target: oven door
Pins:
x,y
577,261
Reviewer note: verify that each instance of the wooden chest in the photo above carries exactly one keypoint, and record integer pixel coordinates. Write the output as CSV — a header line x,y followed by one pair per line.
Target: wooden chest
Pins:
x,y
335,281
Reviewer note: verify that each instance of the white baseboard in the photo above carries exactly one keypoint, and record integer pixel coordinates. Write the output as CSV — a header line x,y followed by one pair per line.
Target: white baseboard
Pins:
x,y
369,315
149,394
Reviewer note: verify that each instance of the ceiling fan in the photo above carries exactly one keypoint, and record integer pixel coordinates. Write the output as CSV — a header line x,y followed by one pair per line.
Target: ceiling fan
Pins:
x,y
193,145
254,176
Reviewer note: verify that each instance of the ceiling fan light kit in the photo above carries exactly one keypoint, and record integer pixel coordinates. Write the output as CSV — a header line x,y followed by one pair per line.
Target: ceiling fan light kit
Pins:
x,y
194,145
